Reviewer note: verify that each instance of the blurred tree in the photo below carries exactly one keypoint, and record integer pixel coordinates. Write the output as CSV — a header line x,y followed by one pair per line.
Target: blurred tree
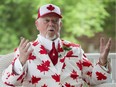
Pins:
x,y
80,17
110,21
16,20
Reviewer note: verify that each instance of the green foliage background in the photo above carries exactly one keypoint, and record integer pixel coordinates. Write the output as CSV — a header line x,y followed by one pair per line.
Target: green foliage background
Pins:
x,y
80,18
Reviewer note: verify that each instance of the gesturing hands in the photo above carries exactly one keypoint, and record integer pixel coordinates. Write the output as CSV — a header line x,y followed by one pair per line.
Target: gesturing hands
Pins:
x,y
104,51
24,50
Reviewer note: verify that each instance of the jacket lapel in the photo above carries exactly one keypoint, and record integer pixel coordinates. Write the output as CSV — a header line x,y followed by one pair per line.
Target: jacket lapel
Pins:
x,y
61,56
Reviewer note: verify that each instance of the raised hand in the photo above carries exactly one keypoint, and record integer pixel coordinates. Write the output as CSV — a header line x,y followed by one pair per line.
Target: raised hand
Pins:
x,y
24,50
104,51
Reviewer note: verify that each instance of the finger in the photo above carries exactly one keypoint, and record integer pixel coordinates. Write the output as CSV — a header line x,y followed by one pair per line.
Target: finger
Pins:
x,y
24,44
102,44
30,51
22,41
108,46
27,47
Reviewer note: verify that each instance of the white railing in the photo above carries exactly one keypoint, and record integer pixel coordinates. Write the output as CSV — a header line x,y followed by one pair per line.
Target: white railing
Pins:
x,y
94,58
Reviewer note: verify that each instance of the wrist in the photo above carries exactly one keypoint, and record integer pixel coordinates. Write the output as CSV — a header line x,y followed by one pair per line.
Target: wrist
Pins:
x,y
22,62
104,63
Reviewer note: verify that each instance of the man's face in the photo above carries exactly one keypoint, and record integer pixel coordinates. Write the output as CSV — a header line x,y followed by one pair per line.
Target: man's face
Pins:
x,y
49,26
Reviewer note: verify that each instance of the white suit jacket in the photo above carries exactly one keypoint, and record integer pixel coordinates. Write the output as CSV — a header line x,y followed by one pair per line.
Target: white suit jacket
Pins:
x,y
72,69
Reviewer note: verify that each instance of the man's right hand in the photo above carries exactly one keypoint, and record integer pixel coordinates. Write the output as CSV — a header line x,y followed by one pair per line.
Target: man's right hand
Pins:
x,y
24,50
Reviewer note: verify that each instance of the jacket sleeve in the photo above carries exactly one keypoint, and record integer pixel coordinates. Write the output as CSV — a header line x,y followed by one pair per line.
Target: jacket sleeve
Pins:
x,y
93,74
10,75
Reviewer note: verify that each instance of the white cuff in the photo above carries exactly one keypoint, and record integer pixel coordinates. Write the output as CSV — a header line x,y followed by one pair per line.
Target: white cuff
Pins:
x,y
18,68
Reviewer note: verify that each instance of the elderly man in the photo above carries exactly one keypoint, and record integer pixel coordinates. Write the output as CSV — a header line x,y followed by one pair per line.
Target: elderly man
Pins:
x,y
52,62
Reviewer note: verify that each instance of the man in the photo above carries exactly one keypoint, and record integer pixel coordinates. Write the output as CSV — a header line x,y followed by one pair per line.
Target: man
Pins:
x,y
52,62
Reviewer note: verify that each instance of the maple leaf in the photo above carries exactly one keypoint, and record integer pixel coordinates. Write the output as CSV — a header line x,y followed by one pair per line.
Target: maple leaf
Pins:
x,y
64,65
13,61
100,76
56,77
62,60
44,66
74,75
69,54
42,51
50,7
9,84
86,62
34,79
59,48
79,65
67,85
35,43
66,45
21,77
44,85
31,57
71,44
89,73
47,63
75,45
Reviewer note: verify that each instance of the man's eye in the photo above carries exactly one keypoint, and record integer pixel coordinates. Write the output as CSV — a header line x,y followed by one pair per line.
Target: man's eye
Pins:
x,y
46,20
55,21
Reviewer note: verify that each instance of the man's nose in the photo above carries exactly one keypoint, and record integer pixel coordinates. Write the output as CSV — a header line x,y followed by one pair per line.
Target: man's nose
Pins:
x,y
51,22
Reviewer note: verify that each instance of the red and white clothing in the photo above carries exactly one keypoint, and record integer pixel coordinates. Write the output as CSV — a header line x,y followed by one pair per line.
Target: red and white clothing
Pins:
x,y
72,69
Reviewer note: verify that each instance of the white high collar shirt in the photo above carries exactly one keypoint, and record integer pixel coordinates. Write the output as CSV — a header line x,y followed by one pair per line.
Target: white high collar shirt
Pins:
x,y
47,43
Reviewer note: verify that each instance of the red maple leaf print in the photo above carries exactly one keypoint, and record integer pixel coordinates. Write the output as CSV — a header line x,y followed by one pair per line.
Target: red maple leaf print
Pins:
x,y
60,49
8,84
44,66
34,79
79,64
66,44
62,60
44,85
71,44
21,77
86,62
67,85
75,45
56,77
74,75
13,61
42,51
69,54
46,63
31,57
89,73
35,43
100,76
64,65
50,7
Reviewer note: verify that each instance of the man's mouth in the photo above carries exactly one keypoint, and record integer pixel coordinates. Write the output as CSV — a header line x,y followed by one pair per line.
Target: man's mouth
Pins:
x,y
51,30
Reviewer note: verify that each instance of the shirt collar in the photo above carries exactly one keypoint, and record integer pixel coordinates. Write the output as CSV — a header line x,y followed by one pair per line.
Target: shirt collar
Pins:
x,y
47,43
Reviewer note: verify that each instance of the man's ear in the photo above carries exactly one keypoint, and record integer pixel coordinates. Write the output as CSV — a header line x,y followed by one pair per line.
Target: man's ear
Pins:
x,y
61,24
37,24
